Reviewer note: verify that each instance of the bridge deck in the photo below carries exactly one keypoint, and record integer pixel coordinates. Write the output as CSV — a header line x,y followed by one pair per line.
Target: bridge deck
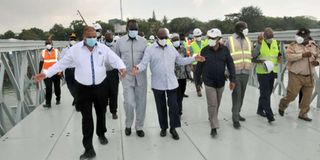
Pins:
x,y
55,134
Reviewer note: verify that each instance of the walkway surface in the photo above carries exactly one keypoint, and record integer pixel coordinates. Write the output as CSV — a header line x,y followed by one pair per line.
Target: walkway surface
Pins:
x,y
55,134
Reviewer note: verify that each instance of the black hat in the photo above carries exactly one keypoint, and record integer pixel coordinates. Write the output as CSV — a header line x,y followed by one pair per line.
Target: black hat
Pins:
x,y
303,31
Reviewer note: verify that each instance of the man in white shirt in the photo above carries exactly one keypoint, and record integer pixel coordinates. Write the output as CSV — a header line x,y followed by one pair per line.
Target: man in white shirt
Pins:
x,y
162,58
90,59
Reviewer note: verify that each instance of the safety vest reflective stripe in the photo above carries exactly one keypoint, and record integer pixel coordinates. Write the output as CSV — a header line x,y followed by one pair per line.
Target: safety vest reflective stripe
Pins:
x,y
240,56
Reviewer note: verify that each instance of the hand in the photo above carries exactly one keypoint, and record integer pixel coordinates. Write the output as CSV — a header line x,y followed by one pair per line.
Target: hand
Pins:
x,y
307,54
232,85
135,70
123,73
39,77
314,63
199,58
260,38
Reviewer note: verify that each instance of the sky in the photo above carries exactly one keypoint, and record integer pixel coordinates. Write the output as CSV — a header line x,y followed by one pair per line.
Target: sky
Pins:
x,y
16,15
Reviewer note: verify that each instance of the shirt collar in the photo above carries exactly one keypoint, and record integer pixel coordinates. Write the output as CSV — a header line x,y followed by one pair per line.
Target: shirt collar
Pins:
x,y
158,46
128,38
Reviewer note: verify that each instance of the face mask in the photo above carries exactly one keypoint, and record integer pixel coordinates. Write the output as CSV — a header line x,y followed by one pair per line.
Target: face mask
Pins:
x,y
198,39
72,43
133,33
49,46
176,44
212,42
109,44
98,34
269,40
299,39
91,41
245,32
162,42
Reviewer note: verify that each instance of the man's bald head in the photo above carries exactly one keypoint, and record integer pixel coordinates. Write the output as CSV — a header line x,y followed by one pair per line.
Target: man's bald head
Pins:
x,y
162,33
89,32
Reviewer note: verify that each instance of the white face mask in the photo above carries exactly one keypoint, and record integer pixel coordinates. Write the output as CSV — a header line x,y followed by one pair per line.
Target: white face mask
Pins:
x,y
245,32
162,42
212,42
133,33
49,46
198,39
176,44
72,43
299,39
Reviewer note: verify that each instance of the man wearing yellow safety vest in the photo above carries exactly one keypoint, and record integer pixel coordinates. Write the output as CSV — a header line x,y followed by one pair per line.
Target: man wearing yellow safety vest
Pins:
x,y
266,55
49,57
240,48
197,45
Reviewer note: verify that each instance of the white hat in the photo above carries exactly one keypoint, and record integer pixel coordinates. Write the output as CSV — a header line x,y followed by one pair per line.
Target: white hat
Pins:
x,y
97,26
268,66
214,32
151,37
197,32
174,35
167,31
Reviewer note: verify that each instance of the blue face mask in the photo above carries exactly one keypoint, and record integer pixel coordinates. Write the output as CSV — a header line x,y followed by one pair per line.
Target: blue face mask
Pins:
x,y
133,33
109,44
91,41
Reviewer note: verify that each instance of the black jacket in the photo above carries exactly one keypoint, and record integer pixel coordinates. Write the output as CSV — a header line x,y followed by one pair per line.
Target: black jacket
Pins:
x,y
212,71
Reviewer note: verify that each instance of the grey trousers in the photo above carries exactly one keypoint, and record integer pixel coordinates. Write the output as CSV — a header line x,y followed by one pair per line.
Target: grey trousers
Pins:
x,y
213,100
134,104
238,95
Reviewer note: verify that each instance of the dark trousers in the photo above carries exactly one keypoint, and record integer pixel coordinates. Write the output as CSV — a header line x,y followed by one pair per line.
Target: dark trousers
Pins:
x,y
160,98
86,96
55,80
180,93
69,77
238,95
113,87
266,82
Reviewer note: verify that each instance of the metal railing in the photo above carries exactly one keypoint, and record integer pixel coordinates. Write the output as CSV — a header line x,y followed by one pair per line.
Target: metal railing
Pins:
x,y
19,60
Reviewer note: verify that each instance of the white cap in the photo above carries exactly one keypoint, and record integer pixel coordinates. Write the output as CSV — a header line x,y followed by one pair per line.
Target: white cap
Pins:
x,y
151,37
268,66
115,38
174,35
197,32
214,32
97,26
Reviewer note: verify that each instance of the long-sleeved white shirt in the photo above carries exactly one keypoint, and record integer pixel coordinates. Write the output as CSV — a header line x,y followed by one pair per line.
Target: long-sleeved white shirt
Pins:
x,y
162,64
90,67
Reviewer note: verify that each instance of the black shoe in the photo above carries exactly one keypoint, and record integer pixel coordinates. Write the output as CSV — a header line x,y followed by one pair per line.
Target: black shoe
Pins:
x,y
281,112
127,131
241,118
262,114
236,125
213,132
103,140
174,134
58,102
73,102
114,116
47,105
140,133
88,154
305,118
270,119
185,96
199,93
163,132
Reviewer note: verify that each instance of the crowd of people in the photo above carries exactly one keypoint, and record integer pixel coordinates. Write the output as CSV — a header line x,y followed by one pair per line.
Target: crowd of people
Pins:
x,y
94,67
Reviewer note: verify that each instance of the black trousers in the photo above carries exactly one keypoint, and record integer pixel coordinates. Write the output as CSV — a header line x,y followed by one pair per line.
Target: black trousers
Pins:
x,y
113,87
160,98
180,93
86,96
71,82
55,80
266,82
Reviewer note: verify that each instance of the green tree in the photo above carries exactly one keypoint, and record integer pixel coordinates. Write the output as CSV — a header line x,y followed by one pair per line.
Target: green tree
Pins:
x,y
58,32
32,34
9,34
253,16
77,26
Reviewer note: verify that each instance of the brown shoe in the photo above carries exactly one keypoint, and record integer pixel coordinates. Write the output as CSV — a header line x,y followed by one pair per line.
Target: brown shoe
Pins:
x,y
199,93
305,118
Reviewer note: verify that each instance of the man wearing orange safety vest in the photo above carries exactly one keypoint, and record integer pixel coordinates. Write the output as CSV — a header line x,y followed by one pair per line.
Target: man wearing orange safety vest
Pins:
x,y
49,57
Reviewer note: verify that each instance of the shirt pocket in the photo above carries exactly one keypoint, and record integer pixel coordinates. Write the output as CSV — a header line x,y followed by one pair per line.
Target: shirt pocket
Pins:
x,y
101,60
